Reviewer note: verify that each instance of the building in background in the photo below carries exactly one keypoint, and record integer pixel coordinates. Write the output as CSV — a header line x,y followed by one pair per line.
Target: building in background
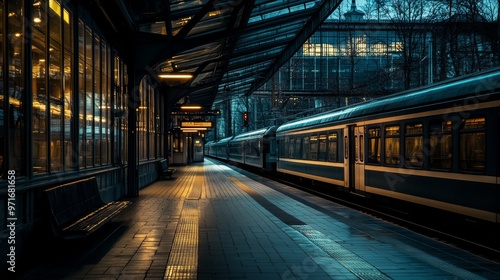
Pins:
x,y
353,59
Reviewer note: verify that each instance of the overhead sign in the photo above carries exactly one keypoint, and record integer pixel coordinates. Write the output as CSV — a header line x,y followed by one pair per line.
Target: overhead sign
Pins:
x,y
196,124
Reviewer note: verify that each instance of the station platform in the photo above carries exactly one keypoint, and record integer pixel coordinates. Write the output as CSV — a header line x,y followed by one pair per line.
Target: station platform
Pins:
x,y
213,222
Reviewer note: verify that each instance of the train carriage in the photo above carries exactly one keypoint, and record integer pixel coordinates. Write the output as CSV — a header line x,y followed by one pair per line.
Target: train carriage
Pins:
x,y
255,148
209,149
435,146
219,149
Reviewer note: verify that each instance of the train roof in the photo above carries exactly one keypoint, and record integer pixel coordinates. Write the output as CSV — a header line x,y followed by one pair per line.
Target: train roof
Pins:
x,y
224,140
473,84
258,132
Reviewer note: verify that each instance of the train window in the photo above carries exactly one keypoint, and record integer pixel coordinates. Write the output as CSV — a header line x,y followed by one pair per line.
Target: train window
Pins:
x,y
305,147
440,151
414,140
472,145
332,146
252,148
356,147
322,147
392,146
346,148
313,144
361,148
249,147
298,144
374,148
291,148
284,148
236,148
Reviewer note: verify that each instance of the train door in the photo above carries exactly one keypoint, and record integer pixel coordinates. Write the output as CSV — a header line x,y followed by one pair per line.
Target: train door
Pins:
x,y
354,158
359,158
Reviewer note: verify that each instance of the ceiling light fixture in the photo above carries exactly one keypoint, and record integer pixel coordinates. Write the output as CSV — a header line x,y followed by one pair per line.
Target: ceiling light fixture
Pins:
x,y
178,76
190,107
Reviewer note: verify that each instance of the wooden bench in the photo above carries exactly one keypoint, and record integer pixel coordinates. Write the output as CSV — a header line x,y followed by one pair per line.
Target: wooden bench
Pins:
x,y
77,209
164,171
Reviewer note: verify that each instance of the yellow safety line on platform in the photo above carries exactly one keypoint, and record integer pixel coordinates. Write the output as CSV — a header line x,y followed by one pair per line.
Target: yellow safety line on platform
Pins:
x,y
183,260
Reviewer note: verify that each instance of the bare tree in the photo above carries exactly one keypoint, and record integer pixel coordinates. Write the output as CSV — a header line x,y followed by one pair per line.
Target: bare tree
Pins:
x,y
374,8
411,19
468,37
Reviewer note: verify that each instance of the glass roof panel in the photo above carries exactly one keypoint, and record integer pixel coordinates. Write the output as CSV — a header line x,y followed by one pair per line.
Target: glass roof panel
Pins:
x,y
278,9
146,10
155,27
243,58
193,56
287,31
256,55
271,30
271,42
254,68
178,23
217,19
176,5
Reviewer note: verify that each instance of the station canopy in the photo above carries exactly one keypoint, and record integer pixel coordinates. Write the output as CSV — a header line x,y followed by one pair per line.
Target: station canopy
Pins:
x,y
229,47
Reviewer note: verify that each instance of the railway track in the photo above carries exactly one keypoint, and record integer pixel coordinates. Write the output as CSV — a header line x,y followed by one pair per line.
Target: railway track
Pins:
x,y
472,236
477,238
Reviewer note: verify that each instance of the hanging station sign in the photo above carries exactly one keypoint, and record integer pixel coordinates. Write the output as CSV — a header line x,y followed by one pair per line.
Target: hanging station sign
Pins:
x,y
196,124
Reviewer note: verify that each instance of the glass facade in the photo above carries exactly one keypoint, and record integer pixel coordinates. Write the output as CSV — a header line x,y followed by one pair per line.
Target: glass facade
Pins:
x,y
52,92
347,62
13,89
63,99
150,128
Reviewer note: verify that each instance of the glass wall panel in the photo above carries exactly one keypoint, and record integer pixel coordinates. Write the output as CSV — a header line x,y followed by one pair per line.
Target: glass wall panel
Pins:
x,y
117,108
68,102
81,94
15,87
106,105
151,123
39,88
96,101
55,87
3,143
141,119
55,19
124,95
157,114
89,97
120,106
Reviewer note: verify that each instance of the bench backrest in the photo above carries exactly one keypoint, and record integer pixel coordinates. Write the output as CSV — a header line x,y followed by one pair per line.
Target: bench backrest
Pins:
x,y
163,165
71,201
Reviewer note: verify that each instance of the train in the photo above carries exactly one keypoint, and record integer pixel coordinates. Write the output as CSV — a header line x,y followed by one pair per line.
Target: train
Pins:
x,y
437,146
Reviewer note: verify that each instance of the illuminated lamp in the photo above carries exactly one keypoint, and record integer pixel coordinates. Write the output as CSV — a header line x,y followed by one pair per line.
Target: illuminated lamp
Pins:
x,y
176,76
192,130
191,107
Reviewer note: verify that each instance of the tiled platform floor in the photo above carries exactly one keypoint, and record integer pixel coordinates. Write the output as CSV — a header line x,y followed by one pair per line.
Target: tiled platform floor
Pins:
x,y
211,222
